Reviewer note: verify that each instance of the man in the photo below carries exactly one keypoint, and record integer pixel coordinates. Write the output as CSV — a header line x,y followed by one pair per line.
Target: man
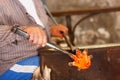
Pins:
x,y
19,56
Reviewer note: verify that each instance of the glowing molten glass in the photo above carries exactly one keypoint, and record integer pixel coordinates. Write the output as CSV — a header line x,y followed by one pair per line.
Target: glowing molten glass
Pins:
x,y
81,60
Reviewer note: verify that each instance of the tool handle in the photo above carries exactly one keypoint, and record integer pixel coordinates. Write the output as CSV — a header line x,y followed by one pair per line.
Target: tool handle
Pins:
x,y
20,32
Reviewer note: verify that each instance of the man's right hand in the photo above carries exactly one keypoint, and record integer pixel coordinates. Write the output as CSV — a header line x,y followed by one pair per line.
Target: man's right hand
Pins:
x,y
37,35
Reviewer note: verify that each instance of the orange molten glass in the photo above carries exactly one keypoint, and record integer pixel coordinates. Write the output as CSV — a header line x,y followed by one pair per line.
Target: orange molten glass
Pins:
x,y
81,60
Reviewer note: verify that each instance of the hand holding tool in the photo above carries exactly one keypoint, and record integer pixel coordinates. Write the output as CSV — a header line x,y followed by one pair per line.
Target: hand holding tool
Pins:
x,y
55,22
26,35
81,59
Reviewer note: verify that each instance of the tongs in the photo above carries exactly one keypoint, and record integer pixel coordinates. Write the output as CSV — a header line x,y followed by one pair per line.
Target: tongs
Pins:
x,y
27,36
55,22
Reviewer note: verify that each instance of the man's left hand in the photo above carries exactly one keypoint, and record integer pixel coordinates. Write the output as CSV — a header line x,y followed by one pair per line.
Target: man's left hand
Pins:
x,y
58,30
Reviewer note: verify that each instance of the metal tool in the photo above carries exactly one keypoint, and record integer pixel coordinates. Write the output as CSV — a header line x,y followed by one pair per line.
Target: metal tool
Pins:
x,y
55,22
26,35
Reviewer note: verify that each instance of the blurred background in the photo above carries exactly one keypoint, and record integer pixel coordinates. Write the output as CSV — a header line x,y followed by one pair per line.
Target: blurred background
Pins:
x,y
98,28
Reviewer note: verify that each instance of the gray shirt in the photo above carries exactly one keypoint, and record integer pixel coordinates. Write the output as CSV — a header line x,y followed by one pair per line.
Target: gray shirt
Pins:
x,y
13,47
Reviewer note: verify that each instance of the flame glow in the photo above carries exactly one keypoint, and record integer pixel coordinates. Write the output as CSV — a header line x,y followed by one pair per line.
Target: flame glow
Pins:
x,y
81,60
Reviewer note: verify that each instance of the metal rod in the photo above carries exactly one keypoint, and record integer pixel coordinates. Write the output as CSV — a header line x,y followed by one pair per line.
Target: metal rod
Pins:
x,y
55,22
50,15
59,49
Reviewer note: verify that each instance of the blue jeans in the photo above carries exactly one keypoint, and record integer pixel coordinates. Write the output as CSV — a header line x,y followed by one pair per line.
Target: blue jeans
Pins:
x,y
22,70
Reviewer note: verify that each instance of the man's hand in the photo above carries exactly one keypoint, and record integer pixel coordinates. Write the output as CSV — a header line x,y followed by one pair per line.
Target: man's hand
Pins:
x,y
58,30
37,35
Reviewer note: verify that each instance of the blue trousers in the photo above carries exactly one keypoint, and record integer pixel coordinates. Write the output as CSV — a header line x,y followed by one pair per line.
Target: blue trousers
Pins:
x,y
22,70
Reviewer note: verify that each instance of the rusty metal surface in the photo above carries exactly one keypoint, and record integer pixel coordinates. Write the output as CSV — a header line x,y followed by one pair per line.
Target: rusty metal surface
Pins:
x,y
105,65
